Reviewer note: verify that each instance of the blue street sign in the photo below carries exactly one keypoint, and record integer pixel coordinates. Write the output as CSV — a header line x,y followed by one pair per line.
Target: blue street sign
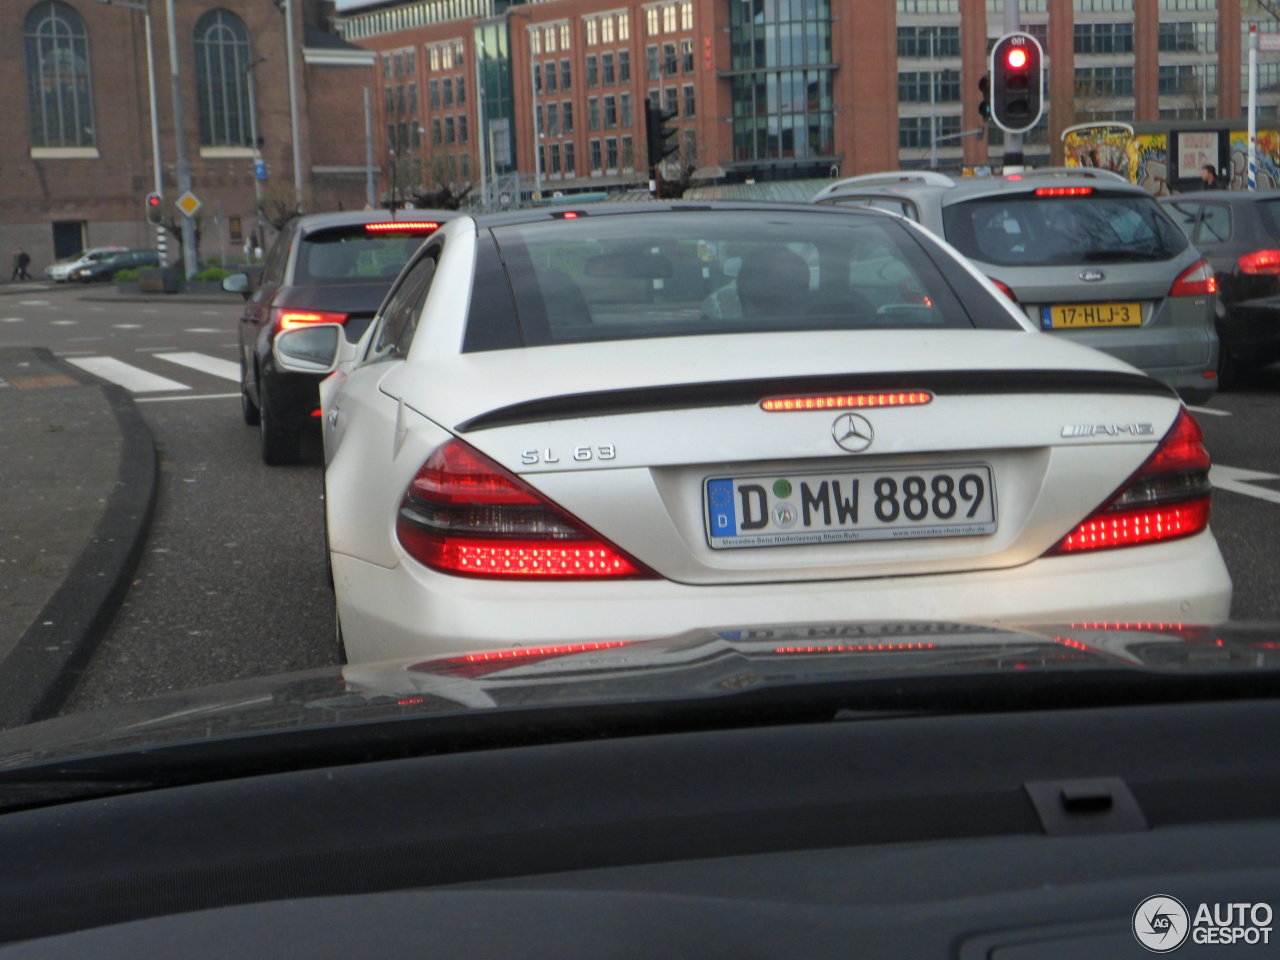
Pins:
x,y
260,170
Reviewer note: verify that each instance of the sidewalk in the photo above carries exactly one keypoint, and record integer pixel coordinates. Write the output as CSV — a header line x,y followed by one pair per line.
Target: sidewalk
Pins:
x,y
77,486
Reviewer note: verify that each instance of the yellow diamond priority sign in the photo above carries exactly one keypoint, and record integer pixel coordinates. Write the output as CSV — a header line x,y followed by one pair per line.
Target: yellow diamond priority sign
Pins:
x,y
188,203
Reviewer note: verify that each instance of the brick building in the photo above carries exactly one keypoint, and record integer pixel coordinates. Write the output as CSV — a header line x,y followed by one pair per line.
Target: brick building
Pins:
x,y
772,89
76,157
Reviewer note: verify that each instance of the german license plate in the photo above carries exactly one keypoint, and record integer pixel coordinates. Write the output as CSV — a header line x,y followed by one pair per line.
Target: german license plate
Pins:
x,y
911,504
1073,316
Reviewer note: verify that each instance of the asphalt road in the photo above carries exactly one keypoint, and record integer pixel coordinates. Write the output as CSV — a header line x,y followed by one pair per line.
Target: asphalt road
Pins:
x,y
233,581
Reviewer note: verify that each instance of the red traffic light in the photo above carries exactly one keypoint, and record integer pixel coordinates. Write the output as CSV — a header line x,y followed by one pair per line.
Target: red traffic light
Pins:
x,y
1017,58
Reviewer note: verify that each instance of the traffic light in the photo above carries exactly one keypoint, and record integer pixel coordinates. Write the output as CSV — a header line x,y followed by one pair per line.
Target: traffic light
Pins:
x,y
1016,81
656,133
984,105
153,208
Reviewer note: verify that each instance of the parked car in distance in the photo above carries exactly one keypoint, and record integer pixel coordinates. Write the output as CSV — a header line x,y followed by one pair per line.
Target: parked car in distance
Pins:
x,y
1087,255
106,268
60,270
323,268
1238,232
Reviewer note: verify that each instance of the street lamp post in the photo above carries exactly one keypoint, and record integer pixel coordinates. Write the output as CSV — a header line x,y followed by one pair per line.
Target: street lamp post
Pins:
x,y
257,153
158,175
184,168
286,7
533,89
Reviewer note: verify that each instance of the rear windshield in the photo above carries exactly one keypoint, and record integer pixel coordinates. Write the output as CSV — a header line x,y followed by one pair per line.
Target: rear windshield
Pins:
x,y
353,255
1270,211
1030,231
706,272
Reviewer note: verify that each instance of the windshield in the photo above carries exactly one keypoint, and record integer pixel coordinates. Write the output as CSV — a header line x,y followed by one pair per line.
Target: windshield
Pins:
x,y
1031,231
611,278
354,255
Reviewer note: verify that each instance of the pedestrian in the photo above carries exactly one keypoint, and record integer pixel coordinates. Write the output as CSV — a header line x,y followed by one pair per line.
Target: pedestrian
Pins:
x,y
1209,177
20,260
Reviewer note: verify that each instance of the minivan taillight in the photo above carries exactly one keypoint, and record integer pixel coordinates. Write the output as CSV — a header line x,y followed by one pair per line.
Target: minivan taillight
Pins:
x,y
1166,499
286,318
1195,281
1266,262
1004,288
466,515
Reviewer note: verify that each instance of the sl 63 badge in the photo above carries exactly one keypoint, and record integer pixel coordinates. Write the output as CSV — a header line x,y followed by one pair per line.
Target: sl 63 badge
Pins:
x,y
581,454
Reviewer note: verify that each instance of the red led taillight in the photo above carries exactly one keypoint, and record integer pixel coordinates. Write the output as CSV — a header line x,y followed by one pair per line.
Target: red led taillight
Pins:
x,y
1004,288
287,319
1195,281
464,514
1166,499
843,401
402,226
1063,191
1265,262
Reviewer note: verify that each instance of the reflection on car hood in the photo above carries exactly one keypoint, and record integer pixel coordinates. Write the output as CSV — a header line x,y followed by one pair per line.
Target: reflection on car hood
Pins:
x,y
698,666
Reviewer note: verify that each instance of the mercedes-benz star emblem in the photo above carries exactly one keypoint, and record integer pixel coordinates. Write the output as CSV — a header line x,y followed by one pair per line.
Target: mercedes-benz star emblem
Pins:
x,y
852,432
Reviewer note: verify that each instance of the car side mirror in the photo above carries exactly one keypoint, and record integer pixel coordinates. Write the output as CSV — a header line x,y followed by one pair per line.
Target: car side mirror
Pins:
x,y
237,283
311,349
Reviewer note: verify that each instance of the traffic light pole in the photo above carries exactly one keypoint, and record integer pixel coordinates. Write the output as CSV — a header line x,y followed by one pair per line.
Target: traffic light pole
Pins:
x,y
1012,141
184,168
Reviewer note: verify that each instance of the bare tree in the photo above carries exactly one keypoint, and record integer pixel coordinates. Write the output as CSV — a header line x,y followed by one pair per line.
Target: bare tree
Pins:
x,y
278,205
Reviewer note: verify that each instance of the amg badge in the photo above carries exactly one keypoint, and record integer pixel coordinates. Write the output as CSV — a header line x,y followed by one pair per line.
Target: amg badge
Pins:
x,y
1108,429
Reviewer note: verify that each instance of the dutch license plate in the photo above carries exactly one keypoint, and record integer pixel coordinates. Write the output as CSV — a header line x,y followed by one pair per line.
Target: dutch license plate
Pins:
x,y
1077,315
912,504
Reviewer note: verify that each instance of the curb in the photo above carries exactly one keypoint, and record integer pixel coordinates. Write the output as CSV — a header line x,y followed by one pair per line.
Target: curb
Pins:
x,y
44,666
229,300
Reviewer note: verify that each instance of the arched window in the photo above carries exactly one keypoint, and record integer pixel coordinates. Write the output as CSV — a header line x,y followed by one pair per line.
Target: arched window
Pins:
x,y
222,88
58,91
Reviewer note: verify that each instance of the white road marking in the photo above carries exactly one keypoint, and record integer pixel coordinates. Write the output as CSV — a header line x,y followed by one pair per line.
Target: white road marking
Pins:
x,y
1236,479
203,330
83,339
134,379
151,349
1209,410
74,353
150,311
11,319
205,364
200,396
211,313
64,323
33,303
126,326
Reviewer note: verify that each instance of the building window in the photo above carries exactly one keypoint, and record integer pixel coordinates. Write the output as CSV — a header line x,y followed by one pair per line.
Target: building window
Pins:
x,y
1104,81
628,154
1186,80
415,131
1187,4
780,35
686,56
566,111
673,100
607,75
446,89
413,98
450,135
551,78
610,111
569,170
624,66
446,56
222,89
459,57
566,76
549,35
915,41
389,100
410,62
1107,37
593,71
437,136
555,159
690,146
59,96
595,156
669,62
914,87
564,36
399,61
391,136
652,55
1191,37
535,41
611,154
915,131
690,105
593,113
462,128
553,119
669,18
624,25
400,100
537,112
606,29
593,32
686,15
460,82
386,66
624,106
651,21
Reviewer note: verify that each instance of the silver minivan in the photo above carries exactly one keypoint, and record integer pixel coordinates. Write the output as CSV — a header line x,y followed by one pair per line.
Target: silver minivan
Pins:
x,y
1085,253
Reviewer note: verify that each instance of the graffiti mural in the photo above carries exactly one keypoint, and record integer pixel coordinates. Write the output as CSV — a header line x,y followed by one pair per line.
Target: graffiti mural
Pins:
x,y
1268,159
